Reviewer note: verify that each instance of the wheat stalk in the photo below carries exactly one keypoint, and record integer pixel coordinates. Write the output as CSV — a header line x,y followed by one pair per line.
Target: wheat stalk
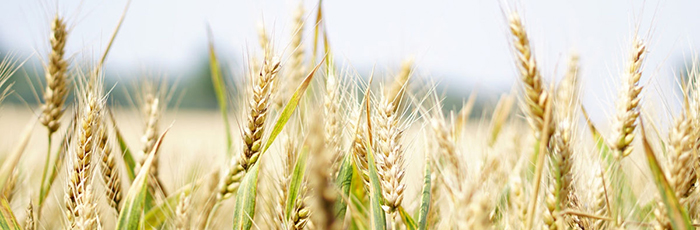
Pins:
x,y
56,78
627,106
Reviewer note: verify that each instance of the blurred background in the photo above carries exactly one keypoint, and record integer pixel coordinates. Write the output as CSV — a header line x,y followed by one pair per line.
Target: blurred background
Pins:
x,y
462,45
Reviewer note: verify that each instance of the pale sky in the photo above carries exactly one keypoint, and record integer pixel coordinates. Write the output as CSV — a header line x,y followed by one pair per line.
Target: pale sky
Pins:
x,y
466,40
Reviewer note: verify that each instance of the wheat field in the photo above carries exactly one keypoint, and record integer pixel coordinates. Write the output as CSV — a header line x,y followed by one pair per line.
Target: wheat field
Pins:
x,y
306,143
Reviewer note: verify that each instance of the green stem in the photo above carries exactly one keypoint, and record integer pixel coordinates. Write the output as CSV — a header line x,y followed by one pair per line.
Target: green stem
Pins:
x,y
42,190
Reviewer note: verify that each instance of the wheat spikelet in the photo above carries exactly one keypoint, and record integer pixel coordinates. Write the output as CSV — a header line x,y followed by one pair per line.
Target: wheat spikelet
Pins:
x,y
263,87
390,159
56,78
29,222
560,191
627,106
324,192
8,190
661,221
331,109
535,92
519,202
110,173
181,217
600,207
358,149
230,182
447,149
152,110
300,213
91,107
284,179
87,218
681,173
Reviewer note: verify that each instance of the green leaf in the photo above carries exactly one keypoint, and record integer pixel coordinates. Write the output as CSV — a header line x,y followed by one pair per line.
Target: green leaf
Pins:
x,y
296,182
7,220
425,199
343,181
378,217
219,89
155,217
290,107
57,164
126,153
407,220
244,211
676,213
130,215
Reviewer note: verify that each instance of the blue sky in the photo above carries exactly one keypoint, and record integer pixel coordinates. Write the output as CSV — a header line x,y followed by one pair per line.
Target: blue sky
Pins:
x,y
464,43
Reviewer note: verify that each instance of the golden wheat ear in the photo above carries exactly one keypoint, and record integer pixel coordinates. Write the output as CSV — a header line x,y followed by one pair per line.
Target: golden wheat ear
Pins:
x,y
627,106
56,74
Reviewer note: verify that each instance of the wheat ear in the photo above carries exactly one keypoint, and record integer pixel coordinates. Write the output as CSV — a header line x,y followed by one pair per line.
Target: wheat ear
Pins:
x,y
627,107
29,222
56,78
390,157
560,191
263,87
300,212
535,92
681,173
181,217
110,172
91,107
